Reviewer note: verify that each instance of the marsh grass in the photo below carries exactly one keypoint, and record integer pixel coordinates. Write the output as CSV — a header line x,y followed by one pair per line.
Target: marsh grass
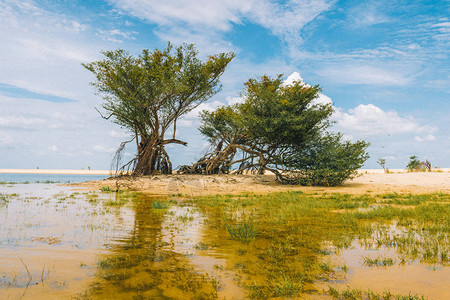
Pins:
x,y
243,232
358,294
276,245
378,262
160,205
295,231
3,199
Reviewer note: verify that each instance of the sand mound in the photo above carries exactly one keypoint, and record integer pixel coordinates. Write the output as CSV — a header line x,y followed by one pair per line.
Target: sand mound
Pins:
x,y
198,185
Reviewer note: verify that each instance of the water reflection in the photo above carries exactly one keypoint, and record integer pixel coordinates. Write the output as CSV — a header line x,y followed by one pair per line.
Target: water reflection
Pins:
x,y
158,258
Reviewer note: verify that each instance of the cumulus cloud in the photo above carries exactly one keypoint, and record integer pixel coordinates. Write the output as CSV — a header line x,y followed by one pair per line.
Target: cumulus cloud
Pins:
x,y
295,76
370,120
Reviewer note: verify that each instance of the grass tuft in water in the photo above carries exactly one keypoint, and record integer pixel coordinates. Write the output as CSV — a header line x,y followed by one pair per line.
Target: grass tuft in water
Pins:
x,y
378,262
357,294
160,205
243,232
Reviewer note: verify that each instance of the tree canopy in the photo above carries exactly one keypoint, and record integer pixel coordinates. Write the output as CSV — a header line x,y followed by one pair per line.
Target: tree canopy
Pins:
x,y
279,128
148,93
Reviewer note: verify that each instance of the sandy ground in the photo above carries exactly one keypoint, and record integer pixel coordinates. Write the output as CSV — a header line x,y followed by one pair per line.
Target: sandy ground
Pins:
x,y
198,185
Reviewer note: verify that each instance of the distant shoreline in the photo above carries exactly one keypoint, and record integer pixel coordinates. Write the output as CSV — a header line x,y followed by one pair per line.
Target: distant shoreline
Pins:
x,y
56,171
108,172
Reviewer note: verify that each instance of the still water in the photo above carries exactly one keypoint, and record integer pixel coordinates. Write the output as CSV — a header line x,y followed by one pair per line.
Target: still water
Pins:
x,y
49,178
60,242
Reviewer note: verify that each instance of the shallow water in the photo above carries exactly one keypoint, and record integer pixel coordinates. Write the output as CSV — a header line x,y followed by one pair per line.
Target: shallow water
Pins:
x,y
404,278
47,178
59,242
50,239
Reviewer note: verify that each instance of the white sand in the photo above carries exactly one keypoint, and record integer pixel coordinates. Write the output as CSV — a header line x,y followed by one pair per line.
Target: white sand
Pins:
x,y
194,185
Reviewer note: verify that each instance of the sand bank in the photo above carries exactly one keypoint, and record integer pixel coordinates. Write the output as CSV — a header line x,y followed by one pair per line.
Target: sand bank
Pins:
x,y
197,185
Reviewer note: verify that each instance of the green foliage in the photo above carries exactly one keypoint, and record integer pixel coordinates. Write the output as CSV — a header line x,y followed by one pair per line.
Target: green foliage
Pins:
x,y
416,165
278,114
147,94
3,199
413,163
382,163
327,161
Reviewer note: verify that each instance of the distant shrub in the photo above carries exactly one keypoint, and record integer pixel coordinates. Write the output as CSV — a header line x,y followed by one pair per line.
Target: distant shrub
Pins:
x,y
415,165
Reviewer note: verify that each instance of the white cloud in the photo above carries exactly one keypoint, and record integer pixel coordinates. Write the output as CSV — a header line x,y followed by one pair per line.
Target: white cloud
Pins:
x,y
22,122
212,13
286,20
235,100
427,138
283,19
367,15
295,76
369,120
118,134
115,35
323,99
208,106
185,123
53,148
43,50
364,74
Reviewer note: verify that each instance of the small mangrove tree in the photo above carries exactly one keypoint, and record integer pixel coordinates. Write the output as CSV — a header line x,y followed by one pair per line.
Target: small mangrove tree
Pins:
x,y
147,94
280,128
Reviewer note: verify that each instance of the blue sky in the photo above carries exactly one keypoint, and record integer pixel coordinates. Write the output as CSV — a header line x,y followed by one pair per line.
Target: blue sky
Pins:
x,y
384,65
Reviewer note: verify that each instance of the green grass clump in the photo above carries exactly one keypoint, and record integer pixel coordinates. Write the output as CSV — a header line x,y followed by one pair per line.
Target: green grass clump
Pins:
x,y
105,189
243,232
378,262
357,294
3,199
160,205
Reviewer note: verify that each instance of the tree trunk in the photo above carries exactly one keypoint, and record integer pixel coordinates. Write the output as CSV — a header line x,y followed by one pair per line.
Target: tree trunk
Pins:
x,y
152,158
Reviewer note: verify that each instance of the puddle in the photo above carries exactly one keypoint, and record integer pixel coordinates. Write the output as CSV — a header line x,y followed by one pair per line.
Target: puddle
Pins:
x,y
430,280
384,263
56,242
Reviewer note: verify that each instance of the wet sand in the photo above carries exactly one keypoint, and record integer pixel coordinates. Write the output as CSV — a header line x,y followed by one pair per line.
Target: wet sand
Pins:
x,y
369,181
